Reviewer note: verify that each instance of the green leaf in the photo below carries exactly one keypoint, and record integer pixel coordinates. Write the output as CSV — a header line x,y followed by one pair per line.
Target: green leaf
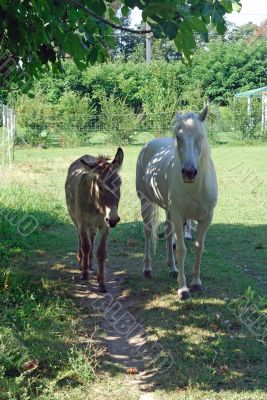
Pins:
x,y
207,10
98,6
157,8
187,36
133,3
73,46
221,27
227,4
236,6
125,11
170,29
197,24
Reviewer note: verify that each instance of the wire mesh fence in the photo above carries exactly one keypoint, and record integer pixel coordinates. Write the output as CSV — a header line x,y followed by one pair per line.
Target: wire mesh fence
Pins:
x,y
7,137
130,128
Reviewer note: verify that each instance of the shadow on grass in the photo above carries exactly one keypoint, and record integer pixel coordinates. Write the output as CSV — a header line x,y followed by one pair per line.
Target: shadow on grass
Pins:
x,y
211,347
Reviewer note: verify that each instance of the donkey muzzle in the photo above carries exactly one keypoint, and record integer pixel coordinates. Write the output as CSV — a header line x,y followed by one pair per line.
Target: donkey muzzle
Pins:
x,y
112,222
189,173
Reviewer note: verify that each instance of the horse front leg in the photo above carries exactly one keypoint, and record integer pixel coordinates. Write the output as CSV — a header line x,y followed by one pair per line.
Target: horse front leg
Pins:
x,y
147,211
196,284
173,271
101,258
183,292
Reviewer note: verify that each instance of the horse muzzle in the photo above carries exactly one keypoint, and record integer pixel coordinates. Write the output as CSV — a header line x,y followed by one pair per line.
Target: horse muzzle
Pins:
x,y
189,174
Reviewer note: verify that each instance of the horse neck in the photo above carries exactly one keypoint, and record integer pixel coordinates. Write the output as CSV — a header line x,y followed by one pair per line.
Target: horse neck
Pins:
x,y
205,165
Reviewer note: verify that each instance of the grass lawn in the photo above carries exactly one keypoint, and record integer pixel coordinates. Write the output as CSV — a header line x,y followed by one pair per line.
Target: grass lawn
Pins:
x,y
218,353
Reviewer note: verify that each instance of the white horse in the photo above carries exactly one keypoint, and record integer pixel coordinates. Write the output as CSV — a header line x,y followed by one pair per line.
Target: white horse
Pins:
x,y
178,175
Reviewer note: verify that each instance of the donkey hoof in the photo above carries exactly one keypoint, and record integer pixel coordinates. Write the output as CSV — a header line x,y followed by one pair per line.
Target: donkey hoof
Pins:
x,y
148,274
196,287
183,294
173,274
85,276
102,287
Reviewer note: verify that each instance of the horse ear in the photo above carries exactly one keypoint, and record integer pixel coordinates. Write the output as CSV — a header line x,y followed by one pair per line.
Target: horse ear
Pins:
x,y
118,159
202,116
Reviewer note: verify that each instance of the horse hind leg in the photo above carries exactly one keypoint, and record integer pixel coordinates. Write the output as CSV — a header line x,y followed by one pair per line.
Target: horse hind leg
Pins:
x,y
188,230
173,271
189,227
148,211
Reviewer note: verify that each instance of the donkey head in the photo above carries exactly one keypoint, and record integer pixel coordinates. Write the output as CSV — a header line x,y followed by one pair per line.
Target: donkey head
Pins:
x,y
190,136
107,182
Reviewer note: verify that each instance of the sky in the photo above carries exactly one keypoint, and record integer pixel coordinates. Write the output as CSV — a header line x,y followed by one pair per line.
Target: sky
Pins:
x,y
252,11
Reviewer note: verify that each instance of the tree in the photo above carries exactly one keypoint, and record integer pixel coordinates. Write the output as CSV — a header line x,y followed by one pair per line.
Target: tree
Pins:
x,y
245,31
125,42
38,34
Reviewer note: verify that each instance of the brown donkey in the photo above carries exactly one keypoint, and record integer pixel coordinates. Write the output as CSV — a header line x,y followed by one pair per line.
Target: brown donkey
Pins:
x,y
93,194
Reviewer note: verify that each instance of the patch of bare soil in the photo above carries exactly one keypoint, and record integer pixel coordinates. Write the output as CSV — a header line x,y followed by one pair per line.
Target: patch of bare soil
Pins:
x,y
124,347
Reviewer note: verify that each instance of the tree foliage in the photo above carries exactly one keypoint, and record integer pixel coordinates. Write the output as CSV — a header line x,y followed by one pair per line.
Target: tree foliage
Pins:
x,y
218,70
38,34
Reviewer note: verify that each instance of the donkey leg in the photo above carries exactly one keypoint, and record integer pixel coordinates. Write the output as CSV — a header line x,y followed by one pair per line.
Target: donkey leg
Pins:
x,y
183,292
85,250
91,254
169,244
79,252
196,283
101,258
147,211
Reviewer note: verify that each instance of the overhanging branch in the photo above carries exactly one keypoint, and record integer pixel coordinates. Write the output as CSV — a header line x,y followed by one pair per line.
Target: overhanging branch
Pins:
x,y
107,22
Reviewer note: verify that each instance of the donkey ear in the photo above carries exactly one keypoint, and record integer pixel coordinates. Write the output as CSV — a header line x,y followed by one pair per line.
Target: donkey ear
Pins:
x,y
202,116
89,162
118,160
177,116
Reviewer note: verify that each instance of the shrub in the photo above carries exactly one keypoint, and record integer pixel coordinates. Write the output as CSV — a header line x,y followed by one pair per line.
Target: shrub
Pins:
x,y
249,126
40,122
74,112
118,119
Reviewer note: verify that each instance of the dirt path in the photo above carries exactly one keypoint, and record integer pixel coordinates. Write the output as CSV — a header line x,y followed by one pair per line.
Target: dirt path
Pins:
x,y
123,348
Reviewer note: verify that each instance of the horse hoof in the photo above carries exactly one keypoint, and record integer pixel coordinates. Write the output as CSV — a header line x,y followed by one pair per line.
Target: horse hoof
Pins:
x,y
183,294
196,287
148,274
102,288
84,276
173,274
188,237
